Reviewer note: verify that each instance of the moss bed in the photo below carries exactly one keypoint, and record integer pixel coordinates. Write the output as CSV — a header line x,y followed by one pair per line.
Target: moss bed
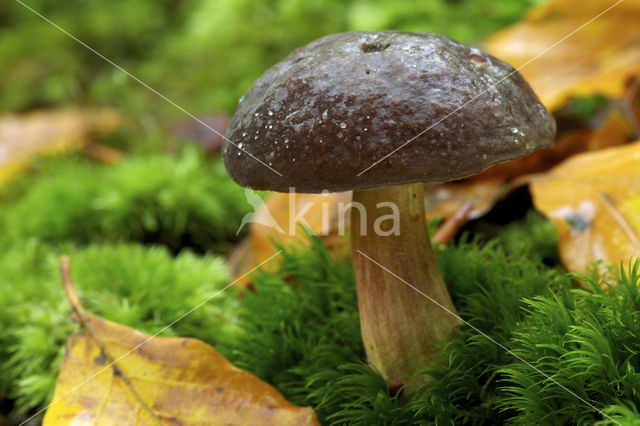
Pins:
x,y
547,345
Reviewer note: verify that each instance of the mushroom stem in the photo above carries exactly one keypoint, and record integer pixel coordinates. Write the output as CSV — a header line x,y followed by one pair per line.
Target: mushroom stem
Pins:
x,y
401,328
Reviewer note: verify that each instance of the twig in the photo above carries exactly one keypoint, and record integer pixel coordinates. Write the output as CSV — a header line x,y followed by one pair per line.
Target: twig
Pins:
x,y
80,316
450,227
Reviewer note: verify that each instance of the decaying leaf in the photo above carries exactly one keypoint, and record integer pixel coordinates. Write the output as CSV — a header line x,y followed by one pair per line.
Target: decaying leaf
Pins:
x,y
138,380
594,201
598,58
48,132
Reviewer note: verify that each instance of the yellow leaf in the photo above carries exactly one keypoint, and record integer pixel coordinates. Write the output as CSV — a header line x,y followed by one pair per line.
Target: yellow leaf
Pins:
x,y
594,201
598,58
136,380
444,200
278,220
47,132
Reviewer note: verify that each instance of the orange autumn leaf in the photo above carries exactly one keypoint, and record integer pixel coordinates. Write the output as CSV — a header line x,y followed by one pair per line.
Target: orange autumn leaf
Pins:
x,y
47,132
132,379
277,222
594,201
597,58
278,219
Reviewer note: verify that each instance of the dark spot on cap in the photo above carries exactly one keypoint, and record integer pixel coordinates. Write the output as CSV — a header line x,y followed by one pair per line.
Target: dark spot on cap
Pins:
x,y
220,389
374,46
100,359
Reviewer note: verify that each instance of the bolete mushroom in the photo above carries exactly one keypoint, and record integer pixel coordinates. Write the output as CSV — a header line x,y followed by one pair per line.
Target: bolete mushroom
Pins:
x,y
380,113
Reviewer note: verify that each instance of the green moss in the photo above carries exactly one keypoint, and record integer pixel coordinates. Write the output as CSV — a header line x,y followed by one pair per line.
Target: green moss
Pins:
x,y
300,319
533,235
42,66
177,202
300,332
586,341
144,288
586,108
203,54
227,44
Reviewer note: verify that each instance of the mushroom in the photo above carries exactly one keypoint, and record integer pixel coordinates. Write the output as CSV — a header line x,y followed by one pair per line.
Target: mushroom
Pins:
x,y
380,113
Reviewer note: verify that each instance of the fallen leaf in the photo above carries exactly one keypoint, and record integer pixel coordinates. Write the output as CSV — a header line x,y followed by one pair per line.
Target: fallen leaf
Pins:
x,y
278,220
241,258
444,200
47,132
598,58
484,189
136,379
594,201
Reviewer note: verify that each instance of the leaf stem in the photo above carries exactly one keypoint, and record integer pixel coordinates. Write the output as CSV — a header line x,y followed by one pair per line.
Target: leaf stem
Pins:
x,y
84,319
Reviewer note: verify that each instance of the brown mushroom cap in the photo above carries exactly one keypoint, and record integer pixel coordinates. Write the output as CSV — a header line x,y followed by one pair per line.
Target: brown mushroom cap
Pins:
x,y
338,105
